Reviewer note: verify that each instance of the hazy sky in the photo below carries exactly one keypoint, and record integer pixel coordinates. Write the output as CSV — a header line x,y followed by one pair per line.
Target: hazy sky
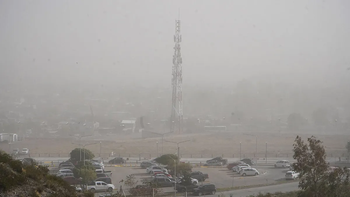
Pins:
x,y
132,41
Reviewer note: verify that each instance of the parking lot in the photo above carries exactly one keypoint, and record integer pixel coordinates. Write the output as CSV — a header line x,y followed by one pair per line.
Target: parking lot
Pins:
x,y
220,176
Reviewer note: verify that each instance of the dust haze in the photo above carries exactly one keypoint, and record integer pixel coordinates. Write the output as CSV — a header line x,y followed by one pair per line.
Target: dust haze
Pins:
x,y
69,67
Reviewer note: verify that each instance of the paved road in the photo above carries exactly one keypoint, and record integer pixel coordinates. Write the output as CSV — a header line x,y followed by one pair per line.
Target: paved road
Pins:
x,y
287,187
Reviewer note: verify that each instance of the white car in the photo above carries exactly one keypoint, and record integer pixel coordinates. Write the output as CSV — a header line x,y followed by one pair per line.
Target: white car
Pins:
x,y
100,186
292,175
64,172
236,168
25,151
194,181
149,169
282,164
241,169
249,172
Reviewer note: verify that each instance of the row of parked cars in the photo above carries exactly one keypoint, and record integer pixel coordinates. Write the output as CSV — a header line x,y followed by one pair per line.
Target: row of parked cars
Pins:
x,y
102,183
160,177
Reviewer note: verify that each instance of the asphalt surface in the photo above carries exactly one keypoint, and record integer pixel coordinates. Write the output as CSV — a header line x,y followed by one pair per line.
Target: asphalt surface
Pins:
x,y
221,177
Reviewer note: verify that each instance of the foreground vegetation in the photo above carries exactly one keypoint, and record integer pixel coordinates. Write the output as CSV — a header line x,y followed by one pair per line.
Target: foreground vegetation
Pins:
x,y
29,179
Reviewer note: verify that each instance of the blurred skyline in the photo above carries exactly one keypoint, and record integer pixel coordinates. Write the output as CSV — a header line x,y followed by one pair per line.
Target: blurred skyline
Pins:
x,y
131,42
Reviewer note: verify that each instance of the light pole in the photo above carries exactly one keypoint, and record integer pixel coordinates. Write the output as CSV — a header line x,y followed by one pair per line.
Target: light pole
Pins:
x,y
161,134
240,150
266,153
157,149
178,147
84,149
256,146
100,149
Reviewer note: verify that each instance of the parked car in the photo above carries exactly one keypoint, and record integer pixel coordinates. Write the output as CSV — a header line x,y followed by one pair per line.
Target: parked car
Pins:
x,y
149,169
99,186
237,167
146,164
67,166
142,190
25,151
249,172
29,161
292,175
100,175
291,167
240,169
77,188
204,189
218,159
199,176
64,172
117,160
102,171
65,163
163,182
15,152
233,164
213,163
161,172
183,188
282,164
104,179
71,180
248,161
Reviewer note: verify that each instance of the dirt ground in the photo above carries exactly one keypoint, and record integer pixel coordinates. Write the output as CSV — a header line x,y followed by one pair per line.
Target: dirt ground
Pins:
x,y
206,145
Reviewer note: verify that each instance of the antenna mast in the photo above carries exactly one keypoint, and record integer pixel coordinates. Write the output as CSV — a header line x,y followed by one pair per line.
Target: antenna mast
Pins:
x,y
176,121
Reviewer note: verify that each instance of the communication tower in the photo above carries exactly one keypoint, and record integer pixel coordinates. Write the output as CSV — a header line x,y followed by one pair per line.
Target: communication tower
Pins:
x,y
176,120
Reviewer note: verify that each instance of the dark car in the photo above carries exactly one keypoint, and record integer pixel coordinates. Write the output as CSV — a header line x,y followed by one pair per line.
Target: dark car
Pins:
x,y
104,179
117,160
248,161
101,175
204,189
185,188
71,180
29,161
141,190
146,164
231,165
218,159
163,182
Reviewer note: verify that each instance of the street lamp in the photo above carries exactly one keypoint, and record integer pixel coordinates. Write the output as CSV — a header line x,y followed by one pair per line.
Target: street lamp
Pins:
x,y
84,149
80,136
178,147
157,149
161,134
240,150
266,153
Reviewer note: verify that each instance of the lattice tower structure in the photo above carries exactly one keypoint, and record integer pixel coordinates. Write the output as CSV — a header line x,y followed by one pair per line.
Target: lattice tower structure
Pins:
x,y
177,108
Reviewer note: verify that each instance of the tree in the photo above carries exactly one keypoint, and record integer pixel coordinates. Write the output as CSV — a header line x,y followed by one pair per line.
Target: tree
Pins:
x,y
348,147
77,152
172,161
316,177
86,173
167,159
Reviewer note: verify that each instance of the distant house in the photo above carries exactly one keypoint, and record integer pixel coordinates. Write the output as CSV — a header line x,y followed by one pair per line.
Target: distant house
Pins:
x,y
128,125
10,137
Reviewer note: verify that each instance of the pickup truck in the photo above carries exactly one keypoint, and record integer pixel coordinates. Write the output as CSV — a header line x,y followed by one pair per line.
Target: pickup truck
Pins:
x,y
199,176
102,171
99,186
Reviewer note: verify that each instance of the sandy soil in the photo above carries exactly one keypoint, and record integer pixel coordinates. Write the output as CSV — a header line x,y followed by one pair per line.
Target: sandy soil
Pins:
x,y
201,145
